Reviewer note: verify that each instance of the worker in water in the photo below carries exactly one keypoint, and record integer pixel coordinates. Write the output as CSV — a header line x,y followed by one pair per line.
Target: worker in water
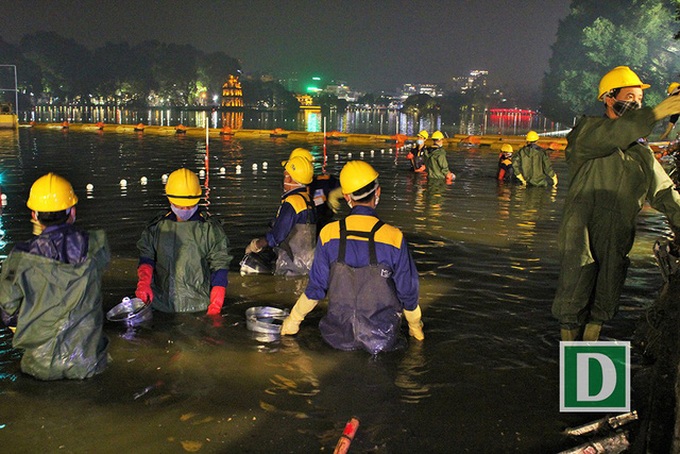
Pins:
x,y
293,231
52,283
324,189
364,267
417,155
436,162
183,253
672,90
505,170
532,163
612,174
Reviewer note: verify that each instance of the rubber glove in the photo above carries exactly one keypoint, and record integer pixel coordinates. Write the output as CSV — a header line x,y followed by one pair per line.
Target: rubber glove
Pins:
x,y
667,107
409,156
669,128
415,323
335,200
303,306
554,180
521,178
144,276
216,300
253,246
450,177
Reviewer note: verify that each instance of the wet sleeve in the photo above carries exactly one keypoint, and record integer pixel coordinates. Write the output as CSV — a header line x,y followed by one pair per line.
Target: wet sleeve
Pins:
x,y
319,275
283,224
11,294
218,255
662,195
598,137
443,163
406,277
547,165
147,250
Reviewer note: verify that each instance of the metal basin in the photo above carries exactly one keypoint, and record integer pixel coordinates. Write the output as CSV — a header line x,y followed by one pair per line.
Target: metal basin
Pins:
x,y
130,311
265,319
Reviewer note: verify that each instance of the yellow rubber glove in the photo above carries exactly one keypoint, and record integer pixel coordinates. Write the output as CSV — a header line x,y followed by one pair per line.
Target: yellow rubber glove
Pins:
x,y
521,178
667,107
415,323
335,200
303,306
669,128
554,180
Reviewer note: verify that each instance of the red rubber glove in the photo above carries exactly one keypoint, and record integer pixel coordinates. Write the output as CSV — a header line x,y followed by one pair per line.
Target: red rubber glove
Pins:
x,y
409,156
144,275
450,177
216,300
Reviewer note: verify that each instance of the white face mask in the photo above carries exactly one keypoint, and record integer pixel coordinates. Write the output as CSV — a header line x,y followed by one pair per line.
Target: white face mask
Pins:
x,y
420,141
184,214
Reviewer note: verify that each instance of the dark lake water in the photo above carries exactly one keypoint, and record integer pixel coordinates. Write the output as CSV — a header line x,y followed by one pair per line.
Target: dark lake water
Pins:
x,y
486,378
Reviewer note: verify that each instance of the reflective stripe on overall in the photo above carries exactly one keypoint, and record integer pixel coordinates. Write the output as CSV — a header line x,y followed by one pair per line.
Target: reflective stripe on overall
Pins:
x,y
363,309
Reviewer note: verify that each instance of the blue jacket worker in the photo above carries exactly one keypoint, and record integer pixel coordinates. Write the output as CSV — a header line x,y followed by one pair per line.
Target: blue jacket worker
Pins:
x,y
53,284
293,233
183,253
364,267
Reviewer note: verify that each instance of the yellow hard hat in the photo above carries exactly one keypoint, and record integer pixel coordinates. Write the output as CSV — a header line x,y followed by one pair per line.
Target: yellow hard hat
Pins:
x,y
437,135
619,77
183,188
423,134
673,88
506,148
532,136
300,169
51,193
305,153
355,175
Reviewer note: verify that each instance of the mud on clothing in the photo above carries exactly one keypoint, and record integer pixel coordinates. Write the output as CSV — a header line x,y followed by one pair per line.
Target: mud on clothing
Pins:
x,y
533,163
53,284
612,175
293,233
366,294
188,258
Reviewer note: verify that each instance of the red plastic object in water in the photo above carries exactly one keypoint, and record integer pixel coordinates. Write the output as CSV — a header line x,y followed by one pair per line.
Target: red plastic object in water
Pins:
x,y
347,436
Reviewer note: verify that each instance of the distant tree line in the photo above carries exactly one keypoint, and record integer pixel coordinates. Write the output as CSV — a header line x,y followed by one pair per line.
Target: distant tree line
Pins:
x,y
55,70
599,35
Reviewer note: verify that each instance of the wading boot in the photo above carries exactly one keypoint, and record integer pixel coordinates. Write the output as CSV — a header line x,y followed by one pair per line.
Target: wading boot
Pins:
x,y
591,333
569,334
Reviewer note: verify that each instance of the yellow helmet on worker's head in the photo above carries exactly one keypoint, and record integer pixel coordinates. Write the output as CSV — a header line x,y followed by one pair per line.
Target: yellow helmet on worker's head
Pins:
x,y
437,135
51,193
423,135
673,89
619,77
183,188
532,136
356,175
506,148
305,153
300,169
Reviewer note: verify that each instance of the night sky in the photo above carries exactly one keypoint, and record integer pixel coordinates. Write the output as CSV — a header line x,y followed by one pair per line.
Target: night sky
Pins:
x,y
371,45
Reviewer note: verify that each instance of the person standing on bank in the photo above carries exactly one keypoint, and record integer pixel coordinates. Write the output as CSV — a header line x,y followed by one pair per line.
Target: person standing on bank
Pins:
x,y
183,253
293,233
612,174
364,267
435,160
53,284
532,163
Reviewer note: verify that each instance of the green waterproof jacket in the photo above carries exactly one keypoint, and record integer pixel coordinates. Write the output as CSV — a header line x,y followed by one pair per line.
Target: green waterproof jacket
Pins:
x,y
436,163
59,307
185,254
533,164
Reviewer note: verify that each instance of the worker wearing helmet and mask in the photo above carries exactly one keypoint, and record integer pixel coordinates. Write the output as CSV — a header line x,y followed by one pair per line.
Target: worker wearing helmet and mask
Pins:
x,y
52,283
364,267
293,231
612,173
417,156
183,253
505,168
532,163
435,160
672,90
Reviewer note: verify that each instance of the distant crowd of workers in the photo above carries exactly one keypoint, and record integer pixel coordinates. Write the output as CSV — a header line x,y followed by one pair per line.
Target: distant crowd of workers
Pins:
x,y
50,285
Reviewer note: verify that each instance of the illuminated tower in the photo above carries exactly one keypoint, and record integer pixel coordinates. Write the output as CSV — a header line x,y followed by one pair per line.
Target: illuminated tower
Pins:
x,y
232,95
